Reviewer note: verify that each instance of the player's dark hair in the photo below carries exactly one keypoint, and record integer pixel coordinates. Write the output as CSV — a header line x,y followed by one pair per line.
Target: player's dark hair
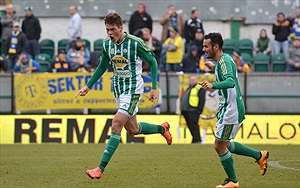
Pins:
x,y
215,38
113,18
194,10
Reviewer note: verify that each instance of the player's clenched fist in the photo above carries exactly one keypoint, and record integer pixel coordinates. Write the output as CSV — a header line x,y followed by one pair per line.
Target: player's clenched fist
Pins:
x,y
205,84
209,64
153,96
82,92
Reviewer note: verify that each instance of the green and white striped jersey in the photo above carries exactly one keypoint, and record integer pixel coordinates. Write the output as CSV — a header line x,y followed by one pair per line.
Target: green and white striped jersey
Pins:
x,y
231,105
126,61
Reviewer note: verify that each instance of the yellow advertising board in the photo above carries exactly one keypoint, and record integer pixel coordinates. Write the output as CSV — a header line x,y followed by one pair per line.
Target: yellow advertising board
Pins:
x,y
43,91
256,129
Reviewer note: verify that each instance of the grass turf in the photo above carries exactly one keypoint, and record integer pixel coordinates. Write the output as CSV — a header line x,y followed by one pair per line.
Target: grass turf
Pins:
x,y
140,165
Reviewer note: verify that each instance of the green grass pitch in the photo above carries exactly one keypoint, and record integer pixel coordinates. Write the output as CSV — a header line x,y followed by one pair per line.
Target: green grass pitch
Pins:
x,y
142,165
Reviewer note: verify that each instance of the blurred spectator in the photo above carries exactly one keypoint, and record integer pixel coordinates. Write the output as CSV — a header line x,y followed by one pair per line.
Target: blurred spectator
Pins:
x,y
208,116
190,62
7,24
198,42
263,44
192,25
241,65
3,64
77,54
171,20
295,25
202,66
281,30
154,45
292,56
16,44
138,20
26,64
75,28
60,64
32,29
192,104
174,50
82,65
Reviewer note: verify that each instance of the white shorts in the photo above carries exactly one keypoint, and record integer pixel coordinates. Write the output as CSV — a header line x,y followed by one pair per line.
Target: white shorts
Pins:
x,y
128,104
226,131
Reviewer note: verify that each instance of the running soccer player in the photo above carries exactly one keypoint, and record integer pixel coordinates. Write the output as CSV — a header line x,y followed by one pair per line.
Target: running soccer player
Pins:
x,y
231,110
125,53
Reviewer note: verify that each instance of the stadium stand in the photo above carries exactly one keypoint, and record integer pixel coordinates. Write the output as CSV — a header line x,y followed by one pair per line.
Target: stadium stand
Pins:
x,y
87,43
278,62
62,45
47,46
261,62
98,45
44,60
246,46
229,46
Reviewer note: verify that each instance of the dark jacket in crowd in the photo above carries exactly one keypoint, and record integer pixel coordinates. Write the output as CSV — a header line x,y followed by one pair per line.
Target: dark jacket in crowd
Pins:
x,y
22,45
281,30
190,28
158,47
139,21
189,62
199,45
31,27
185,105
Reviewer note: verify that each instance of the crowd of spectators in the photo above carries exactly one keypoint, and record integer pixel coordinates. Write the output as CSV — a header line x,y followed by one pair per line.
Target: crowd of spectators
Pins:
x,y
179,49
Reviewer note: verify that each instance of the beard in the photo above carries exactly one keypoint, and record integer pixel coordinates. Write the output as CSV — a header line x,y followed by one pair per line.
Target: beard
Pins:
x,y
211,54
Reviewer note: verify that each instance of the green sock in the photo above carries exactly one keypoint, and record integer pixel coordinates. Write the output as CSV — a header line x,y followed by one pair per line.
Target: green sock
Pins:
x,y
227,163
110,148
241,149
147,128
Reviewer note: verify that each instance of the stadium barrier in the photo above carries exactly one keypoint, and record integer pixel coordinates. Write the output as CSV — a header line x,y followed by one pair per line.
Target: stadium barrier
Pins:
x,y
256,129
264,93
57,91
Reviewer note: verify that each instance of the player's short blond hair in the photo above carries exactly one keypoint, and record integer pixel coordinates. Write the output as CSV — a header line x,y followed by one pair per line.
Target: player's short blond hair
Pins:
x,y
10,6
145,30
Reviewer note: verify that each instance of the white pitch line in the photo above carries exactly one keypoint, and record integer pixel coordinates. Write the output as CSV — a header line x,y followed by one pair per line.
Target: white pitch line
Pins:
x,y
277,165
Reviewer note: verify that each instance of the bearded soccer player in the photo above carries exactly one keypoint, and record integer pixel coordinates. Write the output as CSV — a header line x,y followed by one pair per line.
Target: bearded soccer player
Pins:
x,y
125,53
231,110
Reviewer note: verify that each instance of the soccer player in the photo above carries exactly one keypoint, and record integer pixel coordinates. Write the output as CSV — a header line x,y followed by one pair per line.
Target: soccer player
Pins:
x,y
124,52
231,109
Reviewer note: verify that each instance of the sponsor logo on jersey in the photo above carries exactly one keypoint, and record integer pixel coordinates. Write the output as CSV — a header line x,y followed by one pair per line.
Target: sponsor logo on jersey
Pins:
x,y
112,50
123,73
221,99
119,61
121,64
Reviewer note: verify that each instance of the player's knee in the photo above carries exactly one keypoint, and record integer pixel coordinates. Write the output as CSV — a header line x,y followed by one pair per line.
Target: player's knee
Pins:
x,y
132,132
220,147
217,147
117,128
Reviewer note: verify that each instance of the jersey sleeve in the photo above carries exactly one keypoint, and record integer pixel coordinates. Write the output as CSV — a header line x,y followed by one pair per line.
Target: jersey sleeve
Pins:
x,y
227,75
146,54
100,70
